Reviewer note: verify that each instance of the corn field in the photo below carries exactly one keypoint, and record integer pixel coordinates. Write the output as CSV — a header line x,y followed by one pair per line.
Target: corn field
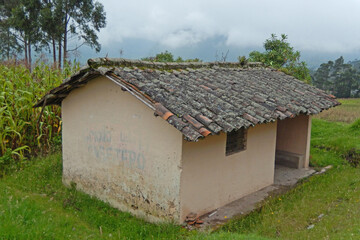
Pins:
x,y
22,133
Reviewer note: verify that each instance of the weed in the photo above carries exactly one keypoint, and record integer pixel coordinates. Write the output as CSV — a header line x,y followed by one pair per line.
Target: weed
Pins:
x,y
355,126
353,157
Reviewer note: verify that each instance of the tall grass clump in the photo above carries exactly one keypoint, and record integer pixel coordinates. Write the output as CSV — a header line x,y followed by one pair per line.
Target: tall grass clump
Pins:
x,y
355,126
21,132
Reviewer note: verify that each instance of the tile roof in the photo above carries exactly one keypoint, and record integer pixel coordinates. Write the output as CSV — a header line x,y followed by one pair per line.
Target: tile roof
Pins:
x,y
200,99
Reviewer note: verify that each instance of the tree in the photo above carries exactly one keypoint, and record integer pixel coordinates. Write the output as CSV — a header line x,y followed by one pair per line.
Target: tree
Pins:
x,y
25,20
50,17
64,20
9,44
321,77
45,23
344,82
280,55
338,78
163,57
168,57
344,79
19,27
82,19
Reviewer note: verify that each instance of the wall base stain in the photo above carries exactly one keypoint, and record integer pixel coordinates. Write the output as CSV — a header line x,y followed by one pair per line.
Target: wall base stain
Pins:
x,y
134,202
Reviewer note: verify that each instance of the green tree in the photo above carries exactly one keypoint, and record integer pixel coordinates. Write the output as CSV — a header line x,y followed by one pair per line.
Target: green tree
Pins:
x,y
344,82
50,17
9,44
64,20
82,19
168,57
280,55
338,78
161,57
49,23
321,77
24,20
344,79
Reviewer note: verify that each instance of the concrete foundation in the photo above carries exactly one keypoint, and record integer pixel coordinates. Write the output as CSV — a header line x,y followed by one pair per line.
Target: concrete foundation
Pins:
x,y
285,179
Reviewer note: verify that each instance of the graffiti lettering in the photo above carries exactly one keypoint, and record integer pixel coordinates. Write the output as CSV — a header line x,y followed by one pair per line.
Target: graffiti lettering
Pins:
x,y
102,145
99,136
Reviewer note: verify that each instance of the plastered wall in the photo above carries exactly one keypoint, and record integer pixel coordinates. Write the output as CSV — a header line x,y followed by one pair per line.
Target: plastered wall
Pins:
x,y
116,149
293,135
210,179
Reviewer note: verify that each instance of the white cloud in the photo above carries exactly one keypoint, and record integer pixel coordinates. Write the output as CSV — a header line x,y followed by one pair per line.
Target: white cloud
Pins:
x,y
322,25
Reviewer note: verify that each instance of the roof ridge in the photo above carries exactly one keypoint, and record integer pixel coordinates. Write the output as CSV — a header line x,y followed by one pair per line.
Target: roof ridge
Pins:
x,y
122,62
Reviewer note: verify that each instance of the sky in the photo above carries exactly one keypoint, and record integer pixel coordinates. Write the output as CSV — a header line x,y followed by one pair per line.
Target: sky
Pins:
x,y
321,30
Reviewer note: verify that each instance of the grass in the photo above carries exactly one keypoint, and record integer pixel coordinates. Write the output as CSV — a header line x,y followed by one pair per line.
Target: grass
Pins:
x,y
324,206
34,204
336,135
348,112
339,138
329,202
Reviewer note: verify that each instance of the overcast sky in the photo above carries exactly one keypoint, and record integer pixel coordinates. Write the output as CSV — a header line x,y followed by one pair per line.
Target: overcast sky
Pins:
x,y
319,29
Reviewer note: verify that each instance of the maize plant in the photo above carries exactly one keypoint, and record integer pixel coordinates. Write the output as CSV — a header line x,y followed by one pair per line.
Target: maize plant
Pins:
x,y
22,133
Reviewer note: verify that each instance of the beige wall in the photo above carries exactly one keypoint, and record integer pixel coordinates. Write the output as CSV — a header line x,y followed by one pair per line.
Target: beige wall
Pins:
x,y
293,135
116,149
210,179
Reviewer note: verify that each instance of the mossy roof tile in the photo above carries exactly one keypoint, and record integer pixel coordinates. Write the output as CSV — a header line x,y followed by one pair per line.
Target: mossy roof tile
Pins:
x,y
222,96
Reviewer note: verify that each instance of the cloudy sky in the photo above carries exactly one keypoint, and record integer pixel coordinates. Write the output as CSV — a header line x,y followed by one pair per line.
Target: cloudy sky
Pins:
x,y
319,29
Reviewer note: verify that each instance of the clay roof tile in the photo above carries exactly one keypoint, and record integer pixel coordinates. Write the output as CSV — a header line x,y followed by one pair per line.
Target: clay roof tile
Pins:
x,y
202,98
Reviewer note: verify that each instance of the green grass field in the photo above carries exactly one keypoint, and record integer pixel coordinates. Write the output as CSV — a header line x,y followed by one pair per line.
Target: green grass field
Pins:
x,y
35,205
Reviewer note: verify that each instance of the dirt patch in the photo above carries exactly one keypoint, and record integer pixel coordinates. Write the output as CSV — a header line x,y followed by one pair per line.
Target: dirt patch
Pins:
x,y
321,147
353,157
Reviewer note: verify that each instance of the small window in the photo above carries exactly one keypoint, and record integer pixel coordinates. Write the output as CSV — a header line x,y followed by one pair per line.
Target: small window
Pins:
x,y
235,141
